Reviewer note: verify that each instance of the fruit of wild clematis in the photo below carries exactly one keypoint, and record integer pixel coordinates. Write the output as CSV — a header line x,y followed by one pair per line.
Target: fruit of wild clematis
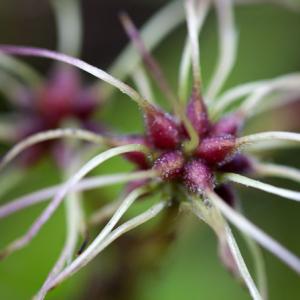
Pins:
x,y
163,136
216,151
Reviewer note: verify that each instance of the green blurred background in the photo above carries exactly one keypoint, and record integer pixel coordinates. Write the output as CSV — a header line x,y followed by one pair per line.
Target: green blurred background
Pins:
x,y
269,46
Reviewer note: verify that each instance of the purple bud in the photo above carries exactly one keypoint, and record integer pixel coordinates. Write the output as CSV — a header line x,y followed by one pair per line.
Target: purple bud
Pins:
x,y
169,165
240,164
226,192
230,124
197,114
215,150
197,176
162,129
138,158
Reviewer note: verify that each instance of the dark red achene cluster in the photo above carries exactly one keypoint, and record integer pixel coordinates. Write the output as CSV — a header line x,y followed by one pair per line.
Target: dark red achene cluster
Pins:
x,y
216,152
60,98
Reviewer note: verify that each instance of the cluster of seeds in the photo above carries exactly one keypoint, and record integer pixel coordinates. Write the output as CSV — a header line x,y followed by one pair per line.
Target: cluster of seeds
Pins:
x,y
196,169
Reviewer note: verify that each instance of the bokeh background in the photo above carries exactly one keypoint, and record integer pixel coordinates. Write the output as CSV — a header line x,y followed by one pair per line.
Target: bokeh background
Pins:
x,y
269,46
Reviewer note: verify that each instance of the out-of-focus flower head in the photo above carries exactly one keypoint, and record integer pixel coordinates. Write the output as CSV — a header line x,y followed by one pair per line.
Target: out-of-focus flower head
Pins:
x,y
52,102
61,99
